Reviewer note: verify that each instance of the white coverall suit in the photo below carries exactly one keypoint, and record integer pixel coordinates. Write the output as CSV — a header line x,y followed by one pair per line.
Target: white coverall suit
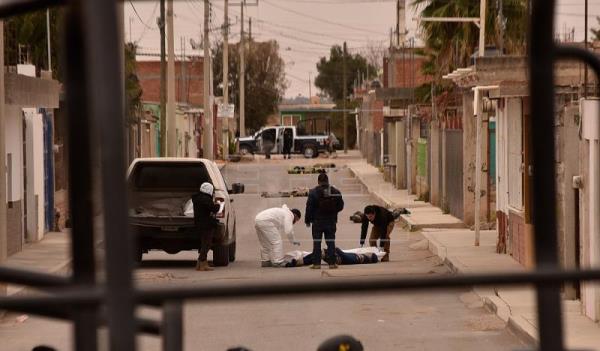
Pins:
x,y
270,224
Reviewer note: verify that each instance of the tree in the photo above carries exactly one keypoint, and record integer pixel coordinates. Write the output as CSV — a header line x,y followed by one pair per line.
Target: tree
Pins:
x,y
596,31
374,52
451,44
265,79
330,76
26,35
133,89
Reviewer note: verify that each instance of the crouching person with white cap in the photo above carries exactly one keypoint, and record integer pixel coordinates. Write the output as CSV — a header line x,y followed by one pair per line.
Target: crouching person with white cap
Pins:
x,y
205,210
270,224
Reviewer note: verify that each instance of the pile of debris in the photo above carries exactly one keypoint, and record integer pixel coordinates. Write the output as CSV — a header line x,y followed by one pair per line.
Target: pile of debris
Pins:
x,y
297,192
317,168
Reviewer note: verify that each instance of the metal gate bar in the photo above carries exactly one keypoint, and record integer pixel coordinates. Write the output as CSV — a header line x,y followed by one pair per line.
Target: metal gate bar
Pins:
x,y
96,117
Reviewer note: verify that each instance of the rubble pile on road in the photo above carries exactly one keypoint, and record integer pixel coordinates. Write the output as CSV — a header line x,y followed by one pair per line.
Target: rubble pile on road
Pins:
x,y
296,192
317,168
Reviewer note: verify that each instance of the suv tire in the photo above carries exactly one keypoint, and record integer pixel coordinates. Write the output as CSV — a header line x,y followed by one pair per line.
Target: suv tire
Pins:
x,y
310,151
245,150
232,252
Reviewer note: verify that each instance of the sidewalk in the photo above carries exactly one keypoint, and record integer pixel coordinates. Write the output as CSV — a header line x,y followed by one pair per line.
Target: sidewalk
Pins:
x,y
422,214
448,239
514,305
49,255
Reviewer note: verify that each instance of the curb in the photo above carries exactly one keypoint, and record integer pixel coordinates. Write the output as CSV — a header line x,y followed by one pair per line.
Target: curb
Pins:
x,y
371,192
517,325
59,269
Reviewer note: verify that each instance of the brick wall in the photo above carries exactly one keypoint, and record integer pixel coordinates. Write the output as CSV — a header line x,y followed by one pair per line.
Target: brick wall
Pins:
x,y
377,114
14,227
191,92
405,70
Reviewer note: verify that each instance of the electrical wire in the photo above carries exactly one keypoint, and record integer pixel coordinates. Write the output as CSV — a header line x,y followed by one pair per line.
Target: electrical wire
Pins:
x,y
138,16
364,30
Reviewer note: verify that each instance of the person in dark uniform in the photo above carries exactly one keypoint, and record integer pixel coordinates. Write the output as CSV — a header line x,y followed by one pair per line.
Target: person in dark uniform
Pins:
x,y
383,224
205,210
288,140
268,141
322,208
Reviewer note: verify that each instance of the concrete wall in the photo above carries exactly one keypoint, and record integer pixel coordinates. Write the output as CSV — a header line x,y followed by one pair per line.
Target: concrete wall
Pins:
x,y
415,131
567,149
35,175
14,152
435,191
400,155
390,151
469,140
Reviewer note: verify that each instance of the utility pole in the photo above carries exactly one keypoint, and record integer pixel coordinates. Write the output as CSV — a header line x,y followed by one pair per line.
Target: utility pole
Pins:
x,y
48,39
171,99
208,115
163,82
3,239
242,78
250,29
309,88
345,97
397,23
482,15
585,40
130,24
226,79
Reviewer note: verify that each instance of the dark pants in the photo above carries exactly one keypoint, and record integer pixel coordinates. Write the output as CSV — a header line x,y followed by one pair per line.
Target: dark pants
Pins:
x,y
287,151
206,238
267,147
318,231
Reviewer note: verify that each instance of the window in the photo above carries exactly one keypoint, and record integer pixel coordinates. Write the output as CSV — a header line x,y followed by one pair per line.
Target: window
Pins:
x,y
169,175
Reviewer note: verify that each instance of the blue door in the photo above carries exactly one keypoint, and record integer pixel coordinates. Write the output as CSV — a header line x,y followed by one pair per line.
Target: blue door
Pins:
x,y
48,169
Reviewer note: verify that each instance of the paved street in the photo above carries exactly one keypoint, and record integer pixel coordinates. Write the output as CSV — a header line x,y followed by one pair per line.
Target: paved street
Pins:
x,y
439,320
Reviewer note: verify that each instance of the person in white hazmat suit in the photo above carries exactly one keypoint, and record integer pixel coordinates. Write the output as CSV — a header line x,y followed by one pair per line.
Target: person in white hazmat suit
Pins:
x,y
270,224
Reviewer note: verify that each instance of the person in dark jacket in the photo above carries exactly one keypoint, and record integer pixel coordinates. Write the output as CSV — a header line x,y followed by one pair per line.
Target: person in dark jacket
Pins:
x,y
205,210
322,208
288,140
268,141
383,224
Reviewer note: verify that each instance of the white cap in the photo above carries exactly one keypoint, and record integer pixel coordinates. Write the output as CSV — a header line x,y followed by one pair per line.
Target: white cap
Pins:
x,y
207,188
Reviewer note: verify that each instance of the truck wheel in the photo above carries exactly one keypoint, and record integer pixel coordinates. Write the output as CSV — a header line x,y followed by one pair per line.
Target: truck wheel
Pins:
x,y
244,150
232,252
221,255
138,256
310,151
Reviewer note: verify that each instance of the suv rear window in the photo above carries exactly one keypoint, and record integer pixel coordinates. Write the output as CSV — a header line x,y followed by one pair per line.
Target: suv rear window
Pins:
x,y
170,176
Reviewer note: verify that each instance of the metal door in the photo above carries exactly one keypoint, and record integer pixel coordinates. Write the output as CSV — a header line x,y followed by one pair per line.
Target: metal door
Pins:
x,y
454,172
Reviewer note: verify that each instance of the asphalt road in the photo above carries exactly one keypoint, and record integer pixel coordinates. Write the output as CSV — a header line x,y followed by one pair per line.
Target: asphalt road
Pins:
x,y
437,320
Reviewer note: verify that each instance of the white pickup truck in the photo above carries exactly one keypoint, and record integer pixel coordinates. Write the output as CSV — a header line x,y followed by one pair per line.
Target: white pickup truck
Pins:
x,y
160,189
306,139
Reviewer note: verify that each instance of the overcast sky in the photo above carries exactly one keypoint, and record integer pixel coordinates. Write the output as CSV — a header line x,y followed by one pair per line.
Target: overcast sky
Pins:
x,y
305,29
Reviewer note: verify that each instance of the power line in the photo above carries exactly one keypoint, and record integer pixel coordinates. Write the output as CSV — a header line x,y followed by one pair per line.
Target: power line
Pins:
x,y
321,19
138,15
309,32
340,2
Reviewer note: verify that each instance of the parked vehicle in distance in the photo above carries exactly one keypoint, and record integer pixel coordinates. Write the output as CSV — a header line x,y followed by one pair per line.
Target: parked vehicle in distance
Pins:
x,y
308,138
159,190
